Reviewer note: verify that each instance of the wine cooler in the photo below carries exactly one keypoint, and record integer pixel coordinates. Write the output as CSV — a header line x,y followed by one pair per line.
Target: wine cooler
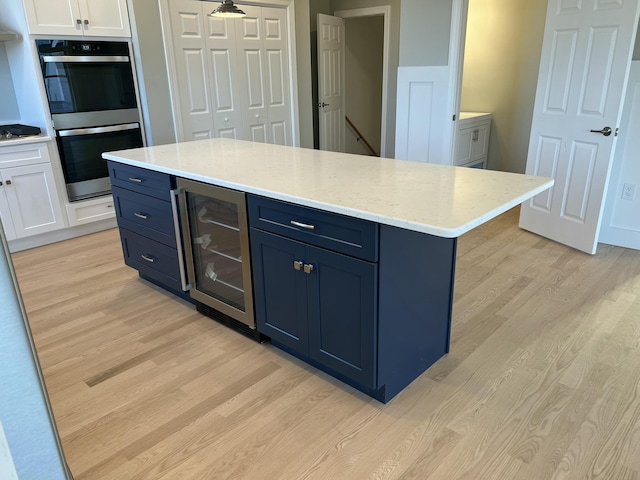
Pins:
x,y
216,244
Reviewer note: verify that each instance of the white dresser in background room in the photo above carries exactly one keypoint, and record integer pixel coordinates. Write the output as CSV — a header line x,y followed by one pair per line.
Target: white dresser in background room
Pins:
x,y
472,146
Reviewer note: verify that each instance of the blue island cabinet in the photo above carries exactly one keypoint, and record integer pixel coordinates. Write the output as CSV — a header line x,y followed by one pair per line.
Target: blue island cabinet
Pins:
x,y
369,304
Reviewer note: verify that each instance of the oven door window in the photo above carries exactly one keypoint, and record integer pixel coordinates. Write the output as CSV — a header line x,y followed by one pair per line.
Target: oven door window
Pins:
x,y
82,150
74,87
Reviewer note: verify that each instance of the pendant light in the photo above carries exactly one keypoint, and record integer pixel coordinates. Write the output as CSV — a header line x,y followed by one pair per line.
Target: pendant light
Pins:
x,y
227,10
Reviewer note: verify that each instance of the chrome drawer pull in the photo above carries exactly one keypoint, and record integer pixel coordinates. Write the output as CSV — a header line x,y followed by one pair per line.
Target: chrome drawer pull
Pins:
x,y
303,225
148,258
137,180
142,216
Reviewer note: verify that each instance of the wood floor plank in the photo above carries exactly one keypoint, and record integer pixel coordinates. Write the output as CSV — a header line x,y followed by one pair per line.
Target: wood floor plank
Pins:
x,y
542,381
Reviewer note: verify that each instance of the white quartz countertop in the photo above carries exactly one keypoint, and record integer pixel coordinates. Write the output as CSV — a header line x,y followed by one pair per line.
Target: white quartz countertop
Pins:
x,y
435,199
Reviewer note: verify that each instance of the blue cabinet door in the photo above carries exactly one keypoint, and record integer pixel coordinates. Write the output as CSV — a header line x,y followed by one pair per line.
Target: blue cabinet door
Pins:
x,y
342,298
280,289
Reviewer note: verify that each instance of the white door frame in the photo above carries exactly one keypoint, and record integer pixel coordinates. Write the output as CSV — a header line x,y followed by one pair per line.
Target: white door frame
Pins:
x,y
385,12
167,39
457,40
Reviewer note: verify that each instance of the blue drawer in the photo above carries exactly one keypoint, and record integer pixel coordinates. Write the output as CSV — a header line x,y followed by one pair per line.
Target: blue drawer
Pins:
x,y
145,215
140,180
348,235
151,259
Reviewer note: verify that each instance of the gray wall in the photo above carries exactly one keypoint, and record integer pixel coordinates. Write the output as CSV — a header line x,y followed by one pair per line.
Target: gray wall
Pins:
x,y
152,71
502,57
9,111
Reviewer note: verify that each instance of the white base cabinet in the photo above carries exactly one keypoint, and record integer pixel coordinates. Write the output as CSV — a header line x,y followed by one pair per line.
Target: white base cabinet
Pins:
x,y
105,18
472,146
29,200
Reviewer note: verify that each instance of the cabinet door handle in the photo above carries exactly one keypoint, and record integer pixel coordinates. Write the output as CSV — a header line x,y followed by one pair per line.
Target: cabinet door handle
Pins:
x,y
308,268
78,22
303,225
297,264
148,258
8,182
476,135
141,215
184,281
137,180
86,23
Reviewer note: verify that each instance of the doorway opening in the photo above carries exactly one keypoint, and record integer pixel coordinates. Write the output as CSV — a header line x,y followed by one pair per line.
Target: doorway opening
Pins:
x,y
366,33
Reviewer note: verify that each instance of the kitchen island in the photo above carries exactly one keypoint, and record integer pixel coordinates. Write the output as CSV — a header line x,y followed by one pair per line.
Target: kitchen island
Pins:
x,y
360,282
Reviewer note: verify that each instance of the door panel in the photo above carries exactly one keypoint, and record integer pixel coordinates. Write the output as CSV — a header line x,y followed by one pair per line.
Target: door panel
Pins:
x,y
251,73
280,289
584,67
233,76
105,17
187,24
33,199
277,75
331,82
342,314
227,109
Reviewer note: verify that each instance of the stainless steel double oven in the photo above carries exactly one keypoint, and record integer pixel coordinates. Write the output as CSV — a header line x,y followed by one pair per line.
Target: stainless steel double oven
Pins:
x,y
92,97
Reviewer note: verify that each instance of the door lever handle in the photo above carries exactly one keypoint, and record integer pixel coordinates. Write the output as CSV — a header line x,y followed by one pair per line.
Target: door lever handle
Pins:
x,y
322,105
606,131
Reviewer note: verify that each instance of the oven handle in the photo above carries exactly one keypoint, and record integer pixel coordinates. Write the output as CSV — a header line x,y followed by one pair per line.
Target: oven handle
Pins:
x,y
94,130
84,58
186,285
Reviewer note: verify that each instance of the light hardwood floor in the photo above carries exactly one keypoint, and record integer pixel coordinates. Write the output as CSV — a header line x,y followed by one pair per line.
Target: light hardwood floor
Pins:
x,y
542,381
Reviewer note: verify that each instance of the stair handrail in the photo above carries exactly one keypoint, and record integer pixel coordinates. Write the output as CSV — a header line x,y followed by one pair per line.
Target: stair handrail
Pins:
x,y
361,137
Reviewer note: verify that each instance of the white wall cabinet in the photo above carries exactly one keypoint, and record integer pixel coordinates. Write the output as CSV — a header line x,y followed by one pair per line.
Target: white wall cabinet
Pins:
x,y
29,201
472,145
106,18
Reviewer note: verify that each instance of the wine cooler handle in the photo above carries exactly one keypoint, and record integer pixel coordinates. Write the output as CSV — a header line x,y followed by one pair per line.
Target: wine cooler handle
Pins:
x,y
186,286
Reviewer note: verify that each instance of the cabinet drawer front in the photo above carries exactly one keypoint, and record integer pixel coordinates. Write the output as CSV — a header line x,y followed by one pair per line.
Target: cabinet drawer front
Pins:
x,y
140,180
351,236
145,215
150,258
20,155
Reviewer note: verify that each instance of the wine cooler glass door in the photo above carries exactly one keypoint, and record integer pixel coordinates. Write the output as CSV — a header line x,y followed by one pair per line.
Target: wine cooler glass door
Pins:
x,y
218,262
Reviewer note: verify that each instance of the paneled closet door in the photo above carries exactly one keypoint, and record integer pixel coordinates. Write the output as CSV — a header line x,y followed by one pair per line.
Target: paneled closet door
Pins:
x,y
263,67
223,74
278,96
188,23
251,70
232,74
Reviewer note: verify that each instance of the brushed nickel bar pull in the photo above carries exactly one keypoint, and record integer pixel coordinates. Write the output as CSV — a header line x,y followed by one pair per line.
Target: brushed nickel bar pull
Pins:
x,y
148,258
186,286
134,179
141,215
303,225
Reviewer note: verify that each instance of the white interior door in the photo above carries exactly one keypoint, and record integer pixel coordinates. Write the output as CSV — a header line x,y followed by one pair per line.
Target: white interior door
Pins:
x,y
226,104
251,68
232,76
331,82
583,72
277,75
191,69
